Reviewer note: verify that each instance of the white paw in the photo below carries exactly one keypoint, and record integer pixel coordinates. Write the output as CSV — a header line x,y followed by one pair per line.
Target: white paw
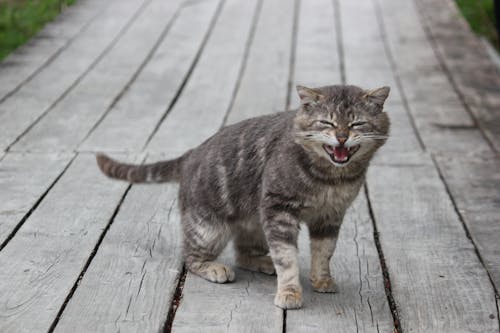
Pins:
x,y
219,273
289,297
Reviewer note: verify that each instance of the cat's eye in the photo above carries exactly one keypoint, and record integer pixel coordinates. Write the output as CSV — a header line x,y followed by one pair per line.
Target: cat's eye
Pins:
x,y
324,122
358,124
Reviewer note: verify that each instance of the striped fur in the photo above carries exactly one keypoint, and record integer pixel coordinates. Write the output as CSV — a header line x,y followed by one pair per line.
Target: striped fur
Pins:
x,y
160,172
257,180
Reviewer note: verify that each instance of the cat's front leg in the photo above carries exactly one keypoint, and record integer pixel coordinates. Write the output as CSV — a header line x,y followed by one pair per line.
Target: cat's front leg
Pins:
x,y
281,229
323,241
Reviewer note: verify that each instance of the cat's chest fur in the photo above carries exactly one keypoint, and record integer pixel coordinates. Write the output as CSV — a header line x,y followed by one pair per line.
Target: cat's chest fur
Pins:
x,y
330,202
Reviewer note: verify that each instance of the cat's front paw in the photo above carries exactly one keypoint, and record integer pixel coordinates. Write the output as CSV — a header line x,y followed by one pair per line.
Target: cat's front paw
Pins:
x,y
324,285
289,297
219,273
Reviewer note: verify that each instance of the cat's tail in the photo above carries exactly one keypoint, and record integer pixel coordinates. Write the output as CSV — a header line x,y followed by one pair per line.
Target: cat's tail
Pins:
x,y
159,172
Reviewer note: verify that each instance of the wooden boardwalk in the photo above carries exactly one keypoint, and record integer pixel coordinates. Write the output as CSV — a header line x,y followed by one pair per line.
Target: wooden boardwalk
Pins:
x,y
147,79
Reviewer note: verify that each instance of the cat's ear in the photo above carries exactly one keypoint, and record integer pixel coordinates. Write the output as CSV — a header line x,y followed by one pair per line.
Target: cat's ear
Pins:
x,y
377,96
309,96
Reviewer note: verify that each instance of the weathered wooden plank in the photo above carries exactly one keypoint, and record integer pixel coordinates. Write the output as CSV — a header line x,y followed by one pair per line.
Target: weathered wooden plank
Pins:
x,y
23,181
467,63
37,96
247,304
25,61
365,60
243,306
443,122
366,64
206,97
360,304
474,182
437,280
132,120
132,279
317,61
264,85
42,262
73,117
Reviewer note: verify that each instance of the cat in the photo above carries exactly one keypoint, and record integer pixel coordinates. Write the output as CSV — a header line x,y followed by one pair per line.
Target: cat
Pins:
x,y
256,180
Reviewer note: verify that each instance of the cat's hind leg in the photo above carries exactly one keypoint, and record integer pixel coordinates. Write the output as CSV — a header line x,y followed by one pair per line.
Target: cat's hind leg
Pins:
x,y
251,248
204,240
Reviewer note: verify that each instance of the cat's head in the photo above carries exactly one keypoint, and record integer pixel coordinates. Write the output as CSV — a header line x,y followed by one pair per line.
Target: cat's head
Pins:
x,y
341,123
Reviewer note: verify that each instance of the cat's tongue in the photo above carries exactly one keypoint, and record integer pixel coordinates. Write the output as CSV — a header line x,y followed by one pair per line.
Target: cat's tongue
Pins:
x,y
341,153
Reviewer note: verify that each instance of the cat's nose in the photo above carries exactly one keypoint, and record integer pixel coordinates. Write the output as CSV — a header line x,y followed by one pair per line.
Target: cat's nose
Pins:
x,y
342,138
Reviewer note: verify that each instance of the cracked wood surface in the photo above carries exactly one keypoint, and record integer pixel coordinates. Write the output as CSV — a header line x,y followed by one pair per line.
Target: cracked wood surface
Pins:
x,y
82,253
21,110
132,279
71,119
24,63
201,309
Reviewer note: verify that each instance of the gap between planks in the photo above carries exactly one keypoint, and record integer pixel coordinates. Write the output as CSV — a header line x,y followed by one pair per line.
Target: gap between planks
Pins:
x,y
36,204
464,224
89,260
83,74
451,79
385,271
54,55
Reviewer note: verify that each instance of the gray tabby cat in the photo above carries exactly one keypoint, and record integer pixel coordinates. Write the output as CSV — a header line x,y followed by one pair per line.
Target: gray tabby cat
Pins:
x,y
256,180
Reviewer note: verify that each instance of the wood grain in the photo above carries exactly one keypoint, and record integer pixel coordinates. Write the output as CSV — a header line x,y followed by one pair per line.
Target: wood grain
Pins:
x,y
360,304
442,121
43,261
131,281
467,63
133,119
316,61
437,280
247,304
73,117
206,98
369,67
264,85
24,178
24,63
474,182
37,96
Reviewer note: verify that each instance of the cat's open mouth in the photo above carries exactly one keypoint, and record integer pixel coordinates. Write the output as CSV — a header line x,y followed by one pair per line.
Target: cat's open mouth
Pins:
x,y
340,154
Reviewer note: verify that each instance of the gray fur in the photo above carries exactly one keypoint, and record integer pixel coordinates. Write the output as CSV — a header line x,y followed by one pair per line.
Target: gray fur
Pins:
x,y
256,180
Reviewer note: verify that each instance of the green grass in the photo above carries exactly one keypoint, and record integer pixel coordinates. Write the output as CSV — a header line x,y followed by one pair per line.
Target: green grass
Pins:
x,y
21,19
481,17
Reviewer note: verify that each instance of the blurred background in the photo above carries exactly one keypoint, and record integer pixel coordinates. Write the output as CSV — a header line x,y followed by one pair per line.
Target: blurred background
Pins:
x,y
21,19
